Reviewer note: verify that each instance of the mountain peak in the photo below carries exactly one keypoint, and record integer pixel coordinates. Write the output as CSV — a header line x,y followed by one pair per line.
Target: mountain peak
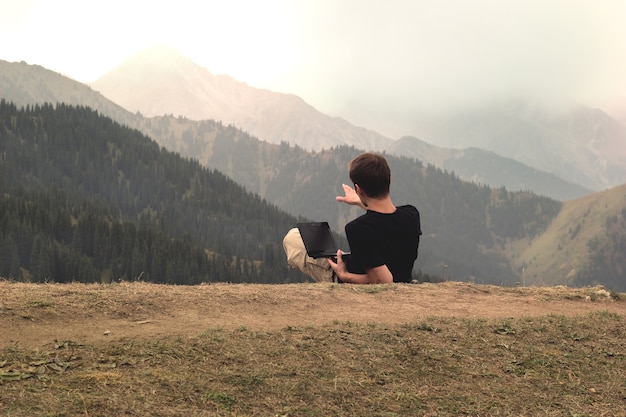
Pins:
x,y
151,62
160,81
160,57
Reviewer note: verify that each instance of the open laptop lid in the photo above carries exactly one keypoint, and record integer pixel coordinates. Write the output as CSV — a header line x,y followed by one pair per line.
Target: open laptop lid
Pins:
x,y
318,240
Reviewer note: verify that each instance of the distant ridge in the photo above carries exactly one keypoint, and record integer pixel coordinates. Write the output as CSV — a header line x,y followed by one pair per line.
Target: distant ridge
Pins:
x,y
25,85
581,145
161,81
485,167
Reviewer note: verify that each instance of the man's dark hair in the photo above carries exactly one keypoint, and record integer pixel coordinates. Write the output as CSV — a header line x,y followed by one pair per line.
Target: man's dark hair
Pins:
x,y
371,172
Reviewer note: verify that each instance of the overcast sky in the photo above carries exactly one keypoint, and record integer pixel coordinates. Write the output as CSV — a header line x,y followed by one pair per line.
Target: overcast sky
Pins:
x,y
381,56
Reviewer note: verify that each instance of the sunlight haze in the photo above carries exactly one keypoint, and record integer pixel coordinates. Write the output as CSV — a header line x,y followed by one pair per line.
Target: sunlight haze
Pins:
x,y
346,57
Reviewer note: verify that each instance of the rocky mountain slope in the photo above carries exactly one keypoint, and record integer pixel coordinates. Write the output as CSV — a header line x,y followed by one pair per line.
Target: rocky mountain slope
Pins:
x,y
581,145
25,85
161,81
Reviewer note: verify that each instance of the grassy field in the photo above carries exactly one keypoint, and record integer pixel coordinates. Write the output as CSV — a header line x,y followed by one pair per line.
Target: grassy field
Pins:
x,y
545,365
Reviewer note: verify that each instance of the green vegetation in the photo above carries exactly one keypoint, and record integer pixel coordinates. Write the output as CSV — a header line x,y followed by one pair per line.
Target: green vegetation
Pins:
x,y
86,178
607,256
472,232
539,366
83,198
464,224
88,199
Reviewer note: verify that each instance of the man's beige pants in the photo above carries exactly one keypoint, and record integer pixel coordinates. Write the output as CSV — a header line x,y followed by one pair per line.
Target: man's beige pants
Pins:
x,y
318,269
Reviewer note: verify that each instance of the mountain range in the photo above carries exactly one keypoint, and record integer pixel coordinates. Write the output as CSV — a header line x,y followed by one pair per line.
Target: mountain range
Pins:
x,y
486,167
84,198
26,84
580,145
461,229
161,81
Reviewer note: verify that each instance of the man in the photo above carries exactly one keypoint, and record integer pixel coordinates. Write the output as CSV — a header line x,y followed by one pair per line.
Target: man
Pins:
x,y
384,241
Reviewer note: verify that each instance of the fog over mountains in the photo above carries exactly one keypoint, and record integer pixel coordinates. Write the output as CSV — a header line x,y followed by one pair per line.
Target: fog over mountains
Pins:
x,y
581,145
162,81
514,144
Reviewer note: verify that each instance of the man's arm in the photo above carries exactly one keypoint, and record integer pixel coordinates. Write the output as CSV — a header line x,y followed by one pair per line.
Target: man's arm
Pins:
x,y
377,275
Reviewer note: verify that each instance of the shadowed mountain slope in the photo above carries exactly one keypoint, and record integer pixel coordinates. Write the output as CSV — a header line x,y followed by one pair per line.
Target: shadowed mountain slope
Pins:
x,y
74,181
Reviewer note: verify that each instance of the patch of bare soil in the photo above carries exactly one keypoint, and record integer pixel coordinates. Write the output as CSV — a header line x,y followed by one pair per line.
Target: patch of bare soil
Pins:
x,y
36,315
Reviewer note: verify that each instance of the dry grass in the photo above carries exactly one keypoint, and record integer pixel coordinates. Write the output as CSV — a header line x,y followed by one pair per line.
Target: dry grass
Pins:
x,y
553,366
543,365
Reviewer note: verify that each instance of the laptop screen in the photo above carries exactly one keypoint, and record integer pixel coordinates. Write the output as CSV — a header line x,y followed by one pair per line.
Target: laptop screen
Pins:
x,y
317,239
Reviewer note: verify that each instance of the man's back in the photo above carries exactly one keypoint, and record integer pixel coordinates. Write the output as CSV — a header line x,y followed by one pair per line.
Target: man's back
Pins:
x,y
385,239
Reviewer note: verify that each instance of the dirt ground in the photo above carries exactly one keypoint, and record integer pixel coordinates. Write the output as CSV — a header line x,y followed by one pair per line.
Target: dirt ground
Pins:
x,y
34,316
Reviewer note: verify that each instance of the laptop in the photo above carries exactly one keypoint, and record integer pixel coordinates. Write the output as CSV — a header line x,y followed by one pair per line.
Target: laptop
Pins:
x,y
318,240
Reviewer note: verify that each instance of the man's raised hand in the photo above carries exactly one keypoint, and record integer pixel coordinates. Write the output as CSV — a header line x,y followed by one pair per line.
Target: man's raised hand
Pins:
x,y
350,197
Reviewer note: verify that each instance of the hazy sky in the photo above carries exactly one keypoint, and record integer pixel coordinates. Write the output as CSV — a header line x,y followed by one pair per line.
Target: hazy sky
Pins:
x,y
378,55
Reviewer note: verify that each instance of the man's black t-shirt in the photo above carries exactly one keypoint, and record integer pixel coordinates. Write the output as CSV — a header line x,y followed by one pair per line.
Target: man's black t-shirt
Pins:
x,y
385,239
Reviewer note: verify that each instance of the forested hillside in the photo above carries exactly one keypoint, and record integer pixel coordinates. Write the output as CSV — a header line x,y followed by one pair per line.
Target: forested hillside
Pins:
x,y
26,84
464,224
472,232
84,198
607,256
468,227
